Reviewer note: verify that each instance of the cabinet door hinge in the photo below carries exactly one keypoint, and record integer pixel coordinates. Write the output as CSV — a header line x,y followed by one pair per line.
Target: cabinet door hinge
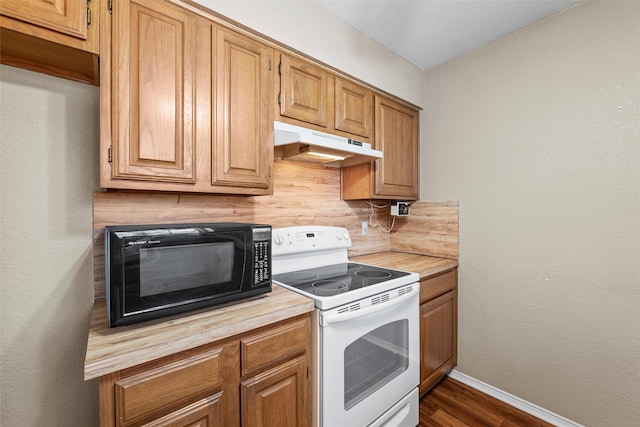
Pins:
x,y
269,65
110,6
280,68
110,155
88,14
279,98
269,171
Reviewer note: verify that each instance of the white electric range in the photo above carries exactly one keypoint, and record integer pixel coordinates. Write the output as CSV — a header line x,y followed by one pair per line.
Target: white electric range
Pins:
x,y
366,328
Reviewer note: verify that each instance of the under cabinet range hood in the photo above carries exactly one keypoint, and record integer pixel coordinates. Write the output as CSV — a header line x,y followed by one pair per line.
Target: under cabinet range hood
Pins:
x,y
308,145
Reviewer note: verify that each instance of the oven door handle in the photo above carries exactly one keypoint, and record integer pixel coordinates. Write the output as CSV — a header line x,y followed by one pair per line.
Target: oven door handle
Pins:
x,y
341,317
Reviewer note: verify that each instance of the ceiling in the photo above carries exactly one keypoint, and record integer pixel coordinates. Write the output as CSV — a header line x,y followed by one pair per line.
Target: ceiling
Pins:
x,y
428,33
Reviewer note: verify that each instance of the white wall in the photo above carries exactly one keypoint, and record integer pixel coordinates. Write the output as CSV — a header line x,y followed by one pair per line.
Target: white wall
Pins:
x,y
48,171
538,136
308,28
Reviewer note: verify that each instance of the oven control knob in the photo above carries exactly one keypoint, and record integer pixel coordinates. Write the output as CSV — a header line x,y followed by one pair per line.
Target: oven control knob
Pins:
x,y
345,235
339,235
277,239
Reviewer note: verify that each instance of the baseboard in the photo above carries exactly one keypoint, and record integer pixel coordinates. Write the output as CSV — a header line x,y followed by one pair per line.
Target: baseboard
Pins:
x,y
514,401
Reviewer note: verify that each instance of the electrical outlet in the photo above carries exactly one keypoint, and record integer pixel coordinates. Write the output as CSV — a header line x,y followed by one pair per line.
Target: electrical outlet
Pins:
x,y
365,228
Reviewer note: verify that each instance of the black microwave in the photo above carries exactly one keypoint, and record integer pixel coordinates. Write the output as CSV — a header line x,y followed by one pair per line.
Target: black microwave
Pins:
x,y
153,271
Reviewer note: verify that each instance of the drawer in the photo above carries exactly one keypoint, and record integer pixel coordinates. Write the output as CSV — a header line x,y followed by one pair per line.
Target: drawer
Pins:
x,y
167,387
274,345
438,285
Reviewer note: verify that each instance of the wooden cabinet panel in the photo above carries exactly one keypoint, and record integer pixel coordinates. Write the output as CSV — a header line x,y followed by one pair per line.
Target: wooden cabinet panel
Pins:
x,y
206,386
153,80
273,345
186,104
205,413
395,176
56,37
143,395
438,329
304,91
243,146
64,16
396,135
353,107
278,398
437,285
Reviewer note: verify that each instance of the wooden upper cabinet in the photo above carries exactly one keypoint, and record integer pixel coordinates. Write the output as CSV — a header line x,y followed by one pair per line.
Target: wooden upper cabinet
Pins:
x,y
186,104
243,146
153,81
395,176
57,37
304,91
396,135
353,108
310,95
64,16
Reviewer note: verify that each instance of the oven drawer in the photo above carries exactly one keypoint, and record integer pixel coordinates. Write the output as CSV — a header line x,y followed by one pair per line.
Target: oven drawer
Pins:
x,y
274,345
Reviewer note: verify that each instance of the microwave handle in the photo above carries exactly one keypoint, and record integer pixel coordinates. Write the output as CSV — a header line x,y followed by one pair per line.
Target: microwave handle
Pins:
x,y
341,317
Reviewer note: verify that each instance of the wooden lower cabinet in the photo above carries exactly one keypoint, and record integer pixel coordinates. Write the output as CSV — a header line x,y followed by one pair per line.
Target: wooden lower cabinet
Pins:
x,y
263,397
204,413
260,378
438,327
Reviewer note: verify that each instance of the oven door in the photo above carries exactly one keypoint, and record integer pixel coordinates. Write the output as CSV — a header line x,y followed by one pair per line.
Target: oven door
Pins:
x,y
369,358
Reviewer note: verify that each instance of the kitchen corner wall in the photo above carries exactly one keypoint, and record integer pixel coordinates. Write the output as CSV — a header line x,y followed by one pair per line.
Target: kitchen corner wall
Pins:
x,y
538,136
48,173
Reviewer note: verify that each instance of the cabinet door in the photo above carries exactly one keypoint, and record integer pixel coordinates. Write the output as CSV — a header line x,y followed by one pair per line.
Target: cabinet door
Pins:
x,y
396,135
304,91
243,144
153,91
278,397
64,16
56,37
205,413
354,108
438,339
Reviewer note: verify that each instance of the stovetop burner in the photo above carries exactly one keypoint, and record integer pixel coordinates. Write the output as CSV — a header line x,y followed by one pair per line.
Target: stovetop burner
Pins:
x,y
338,278
329,287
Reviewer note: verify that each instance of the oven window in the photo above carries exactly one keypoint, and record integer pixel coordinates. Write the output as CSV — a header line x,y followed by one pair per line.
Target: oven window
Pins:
x,y
175,268
375,359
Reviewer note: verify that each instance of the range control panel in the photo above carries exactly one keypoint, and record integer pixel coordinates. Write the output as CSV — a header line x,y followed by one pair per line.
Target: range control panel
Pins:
x,y
300,239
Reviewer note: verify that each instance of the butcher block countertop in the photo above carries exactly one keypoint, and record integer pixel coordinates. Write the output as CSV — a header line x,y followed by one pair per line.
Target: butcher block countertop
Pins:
x,y
424,265
112,349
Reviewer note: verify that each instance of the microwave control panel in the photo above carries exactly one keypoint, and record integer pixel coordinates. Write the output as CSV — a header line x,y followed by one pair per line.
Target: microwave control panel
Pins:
x,y
261,255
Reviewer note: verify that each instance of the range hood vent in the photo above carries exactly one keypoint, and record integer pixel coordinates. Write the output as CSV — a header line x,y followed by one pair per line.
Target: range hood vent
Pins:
x,y
307,145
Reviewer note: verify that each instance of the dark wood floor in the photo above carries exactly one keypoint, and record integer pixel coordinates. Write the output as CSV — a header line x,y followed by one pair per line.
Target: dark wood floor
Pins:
x,y
453,404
